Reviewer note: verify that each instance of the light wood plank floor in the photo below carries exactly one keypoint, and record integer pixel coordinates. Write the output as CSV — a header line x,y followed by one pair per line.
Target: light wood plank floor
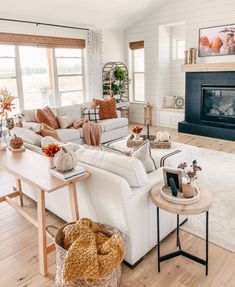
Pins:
x,y
19,254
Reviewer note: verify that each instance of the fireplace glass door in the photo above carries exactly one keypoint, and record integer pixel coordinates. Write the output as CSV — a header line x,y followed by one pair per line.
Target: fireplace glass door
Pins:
x,y
218,104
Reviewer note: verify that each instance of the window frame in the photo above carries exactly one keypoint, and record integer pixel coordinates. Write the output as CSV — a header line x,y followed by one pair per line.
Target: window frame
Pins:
x,y
17,40
175,54
133,76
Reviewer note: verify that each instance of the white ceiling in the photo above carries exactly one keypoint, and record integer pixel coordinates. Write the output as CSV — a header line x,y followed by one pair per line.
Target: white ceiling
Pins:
x,y
103,14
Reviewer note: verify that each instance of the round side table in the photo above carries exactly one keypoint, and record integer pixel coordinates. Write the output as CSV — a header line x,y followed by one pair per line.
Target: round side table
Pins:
x,y
203,205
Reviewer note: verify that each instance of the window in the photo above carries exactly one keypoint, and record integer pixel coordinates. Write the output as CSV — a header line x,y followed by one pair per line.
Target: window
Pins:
x,y
138,85
40,76
178,49
69,64
8,72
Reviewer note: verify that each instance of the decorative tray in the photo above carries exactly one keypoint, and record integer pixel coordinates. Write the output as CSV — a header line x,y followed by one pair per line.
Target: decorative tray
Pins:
x,y
180,199
134,143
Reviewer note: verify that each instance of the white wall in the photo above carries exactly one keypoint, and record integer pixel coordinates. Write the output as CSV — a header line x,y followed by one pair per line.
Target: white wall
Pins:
x,y
196,14
113,46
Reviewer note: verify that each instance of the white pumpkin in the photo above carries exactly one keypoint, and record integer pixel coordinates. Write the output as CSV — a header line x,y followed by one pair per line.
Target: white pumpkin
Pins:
x,y
163,136
65,160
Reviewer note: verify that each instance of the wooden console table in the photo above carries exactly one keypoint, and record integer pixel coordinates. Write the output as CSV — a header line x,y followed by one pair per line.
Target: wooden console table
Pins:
x,y
32,168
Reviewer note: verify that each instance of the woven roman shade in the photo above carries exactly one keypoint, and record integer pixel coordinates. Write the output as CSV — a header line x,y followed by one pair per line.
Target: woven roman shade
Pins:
x,y
136,45
40,41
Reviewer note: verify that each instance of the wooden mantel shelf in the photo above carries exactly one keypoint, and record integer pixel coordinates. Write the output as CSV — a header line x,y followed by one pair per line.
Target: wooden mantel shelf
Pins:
x,y
209,67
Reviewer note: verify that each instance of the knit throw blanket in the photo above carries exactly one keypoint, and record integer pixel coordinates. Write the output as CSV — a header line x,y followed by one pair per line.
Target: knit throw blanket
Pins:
x,y
91,253
91,131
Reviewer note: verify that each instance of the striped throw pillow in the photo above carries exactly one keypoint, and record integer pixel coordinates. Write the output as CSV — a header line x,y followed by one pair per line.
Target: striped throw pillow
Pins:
x,y
93,115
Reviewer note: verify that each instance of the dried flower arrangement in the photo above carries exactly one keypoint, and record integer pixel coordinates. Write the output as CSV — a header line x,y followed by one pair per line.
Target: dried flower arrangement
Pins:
x,y
136,129
190,173
51,150
6,105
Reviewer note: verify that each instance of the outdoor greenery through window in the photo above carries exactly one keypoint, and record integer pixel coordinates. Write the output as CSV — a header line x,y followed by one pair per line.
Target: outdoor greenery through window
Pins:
x,y
40,76
138,75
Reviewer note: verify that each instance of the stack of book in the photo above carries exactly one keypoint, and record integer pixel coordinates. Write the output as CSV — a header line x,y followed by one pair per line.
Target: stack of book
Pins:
x,y
68,175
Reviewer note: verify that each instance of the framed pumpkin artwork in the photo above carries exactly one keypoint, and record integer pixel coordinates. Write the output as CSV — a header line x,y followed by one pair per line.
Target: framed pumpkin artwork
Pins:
x,y
217,41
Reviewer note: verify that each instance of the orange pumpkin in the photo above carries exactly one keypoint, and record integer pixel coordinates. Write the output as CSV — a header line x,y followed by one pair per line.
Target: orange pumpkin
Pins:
x,y
204,41
216,44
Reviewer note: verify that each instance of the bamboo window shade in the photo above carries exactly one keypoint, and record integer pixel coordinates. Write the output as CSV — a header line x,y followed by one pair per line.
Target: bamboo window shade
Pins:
x,y
136,45
41,41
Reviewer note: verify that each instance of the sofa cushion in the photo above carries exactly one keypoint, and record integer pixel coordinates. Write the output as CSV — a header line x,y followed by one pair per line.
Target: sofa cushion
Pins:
x,y
75,111
129,168
47,117
46,130
107,108
92,115
27,136
143,153
69,134
65,121
112,124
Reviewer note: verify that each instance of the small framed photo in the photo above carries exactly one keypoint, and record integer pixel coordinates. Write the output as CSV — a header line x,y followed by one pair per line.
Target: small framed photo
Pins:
x,y
174,173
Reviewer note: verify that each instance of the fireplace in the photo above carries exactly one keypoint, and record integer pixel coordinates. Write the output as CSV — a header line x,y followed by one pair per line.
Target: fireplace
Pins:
x,y
210,104
218,104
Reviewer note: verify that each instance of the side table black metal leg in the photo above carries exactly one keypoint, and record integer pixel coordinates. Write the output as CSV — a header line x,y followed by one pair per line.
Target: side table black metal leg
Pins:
x,y
158,241
207,241
177,236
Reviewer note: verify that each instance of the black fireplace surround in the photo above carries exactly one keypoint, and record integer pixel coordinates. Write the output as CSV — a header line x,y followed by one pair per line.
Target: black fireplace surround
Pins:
x,y
210,105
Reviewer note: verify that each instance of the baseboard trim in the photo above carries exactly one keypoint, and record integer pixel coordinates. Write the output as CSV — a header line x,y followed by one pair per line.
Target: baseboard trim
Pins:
x,y
134,265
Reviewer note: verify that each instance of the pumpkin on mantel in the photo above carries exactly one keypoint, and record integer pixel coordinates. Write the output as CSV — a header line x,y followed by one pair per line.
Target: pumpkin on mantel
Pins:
x,y
65,160
16,142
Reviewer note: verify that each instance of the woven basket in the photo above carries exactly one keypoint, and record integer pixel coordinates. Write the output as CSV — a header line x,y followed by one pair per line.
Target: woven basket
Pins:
x,y
135,143
111,280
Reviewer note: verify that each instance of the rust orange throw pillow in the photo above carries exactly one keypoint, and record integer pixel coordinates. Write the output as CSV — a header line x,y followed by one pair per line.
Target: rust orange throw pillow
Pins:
x,y
46,131
47,117
107,108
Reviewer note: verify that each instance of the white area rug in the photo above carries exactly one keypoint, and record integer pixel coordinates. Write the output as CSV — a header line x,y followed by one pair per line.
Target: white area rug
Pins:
x,y
218,176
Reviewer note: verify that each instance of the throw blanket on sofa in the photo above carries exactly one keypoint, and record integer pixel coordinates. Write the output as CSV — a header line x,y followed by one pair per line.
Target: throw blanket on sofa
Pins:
x,y
91,131
91,253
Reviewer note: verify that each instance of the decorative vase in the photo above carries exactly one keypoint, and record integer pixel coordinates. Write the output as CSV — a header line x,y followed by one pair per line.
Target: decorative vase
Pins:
x,y
137,137
188,190
51,162
3,145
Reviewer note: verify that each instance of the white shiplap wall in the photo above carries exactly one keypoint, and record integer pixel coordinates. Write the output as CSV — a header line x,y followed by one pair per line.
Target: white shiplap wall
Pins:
x,y
196,14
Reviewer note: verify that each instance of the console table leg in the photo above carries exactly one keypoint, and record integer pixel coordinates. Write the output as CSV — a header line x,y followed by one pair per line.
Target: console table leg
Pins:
x,y
42,241
73,201
177,236
158,241
207,241
19,189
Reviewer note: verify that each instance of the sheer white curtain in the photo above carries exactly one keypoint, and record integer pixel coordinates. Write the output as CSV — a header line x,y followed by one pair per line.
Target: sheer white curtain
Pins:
x,y
94,59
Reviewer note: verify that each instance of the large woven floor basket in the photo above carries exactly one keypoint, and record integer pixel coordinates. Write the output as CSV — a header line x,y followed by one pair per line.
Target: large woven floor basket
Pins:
x,y
111,280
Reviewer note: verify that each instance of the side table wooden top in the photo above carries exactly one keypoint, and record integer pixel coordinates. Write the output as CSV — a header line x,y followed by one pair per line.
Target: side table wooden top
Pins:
x,y
203,205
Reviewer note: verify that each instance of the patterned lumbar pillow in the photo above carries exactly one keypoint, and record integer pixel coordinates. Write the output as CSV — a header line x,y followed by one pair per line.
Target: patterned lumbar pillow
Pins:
x,y
143,153
93,115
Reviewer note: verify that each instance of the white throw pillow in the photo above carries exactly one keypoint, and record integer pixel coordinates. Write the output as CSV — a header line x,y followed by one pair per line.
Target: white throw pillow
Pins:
x,y
143,153
27,136
65,121
129,168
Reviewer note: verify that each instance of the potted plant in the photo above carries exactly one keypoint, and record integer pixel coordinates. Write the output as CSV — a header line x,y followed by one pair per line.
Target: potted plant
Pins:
x,y
50,151
121,81
190,175
136,131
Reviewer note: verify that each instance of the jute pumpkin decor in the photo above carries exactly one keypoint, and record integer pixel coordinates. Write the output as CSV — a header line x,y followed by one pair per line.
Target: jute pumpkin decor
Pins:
x,y
65,160
16,142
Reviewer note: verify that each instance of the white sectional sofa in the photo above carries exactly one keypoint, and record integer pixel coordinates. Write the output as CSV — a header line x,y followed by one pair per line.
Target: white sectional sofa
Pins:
x,y
117,193
111,128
